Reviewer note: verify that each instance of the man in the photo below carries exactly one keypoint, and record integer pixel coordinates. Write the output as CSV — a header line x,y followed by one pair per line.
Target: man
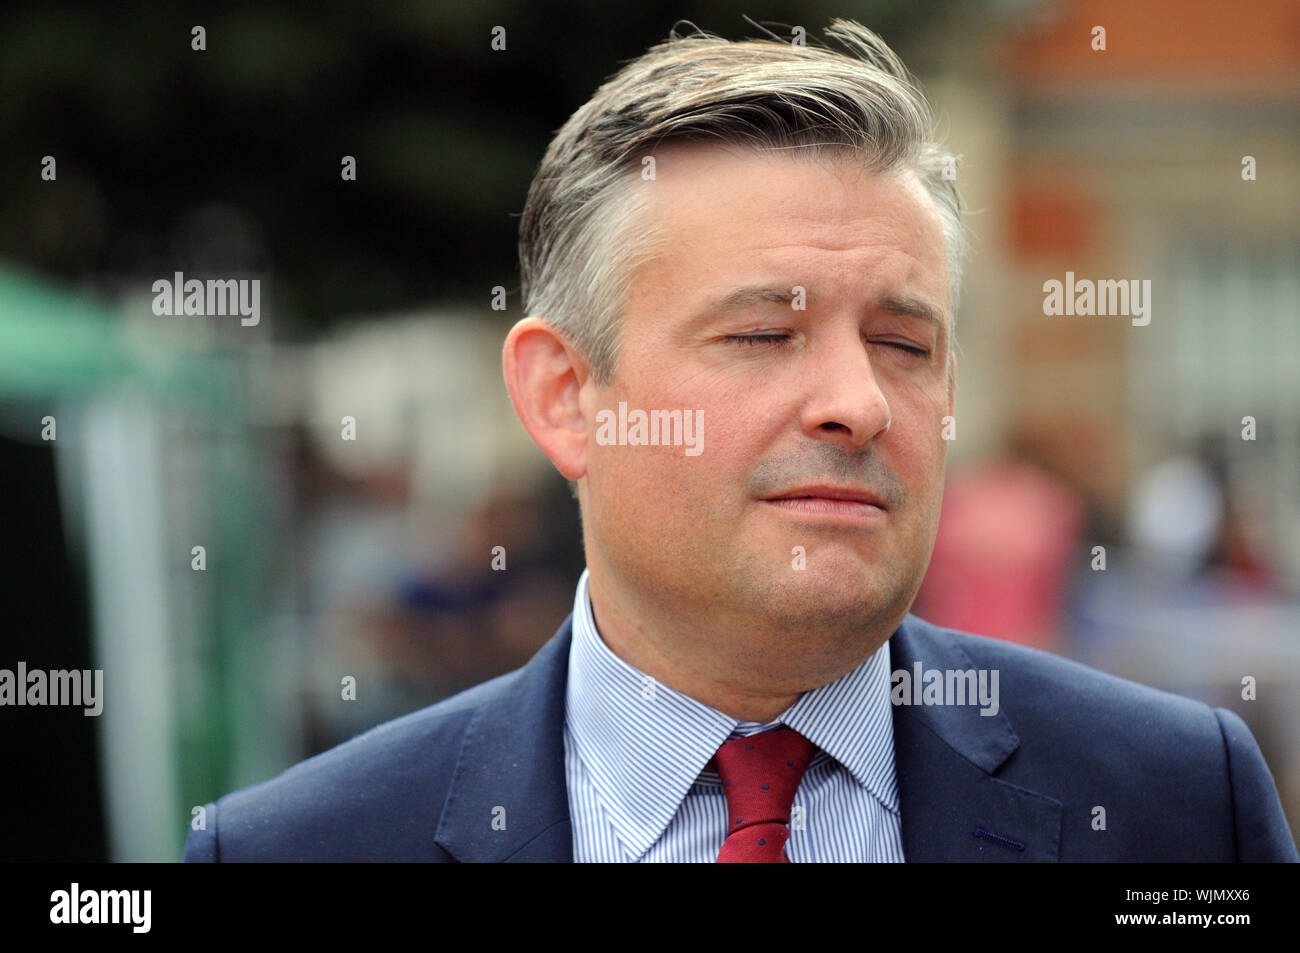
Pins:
x,y
740,262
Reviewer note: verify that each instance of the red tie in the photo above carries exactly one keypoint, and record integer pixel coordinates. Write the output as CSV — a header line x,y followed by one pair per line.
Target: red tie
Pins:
x,y
760,775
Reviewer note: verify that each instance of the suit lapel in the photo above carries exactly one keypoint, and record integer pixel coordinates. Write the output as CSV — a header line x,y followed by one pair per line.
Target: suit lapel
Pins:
x,y
507,800
945,756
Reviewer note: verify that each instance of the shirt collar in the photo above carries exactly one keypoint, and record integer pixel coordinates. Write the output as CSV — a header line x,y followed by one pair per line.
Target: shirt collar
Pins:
x,y
644,745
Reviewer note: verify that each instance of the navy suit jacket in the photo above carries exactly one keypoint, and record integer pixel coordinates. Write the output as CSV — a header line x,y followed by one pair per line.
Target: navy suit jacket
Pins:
x,y
1178,781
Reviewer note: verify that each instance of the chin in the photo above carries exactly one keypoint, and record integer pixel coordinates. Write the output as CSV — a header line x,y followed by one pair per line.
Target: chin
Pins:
x,y
831,598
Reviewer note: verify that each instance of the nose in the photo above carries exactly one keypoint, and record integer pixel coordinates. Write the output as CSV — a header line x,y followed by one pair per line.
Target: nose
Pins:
x,y
846,402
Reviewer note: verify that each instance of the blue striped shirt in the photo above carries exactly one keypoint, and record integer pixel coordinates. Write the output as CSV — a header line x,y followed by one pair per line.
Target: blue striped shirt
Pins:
x,y
635,753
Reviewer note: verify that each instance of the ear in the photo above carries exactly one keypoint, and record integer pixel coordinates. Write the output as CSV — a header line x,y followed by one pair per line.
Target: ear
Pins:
x,y
545,376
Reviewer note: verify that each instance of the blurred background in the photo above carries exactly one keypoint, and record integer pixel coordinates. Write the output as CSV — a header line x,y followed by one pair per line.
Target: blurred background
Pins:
x,y
1106,500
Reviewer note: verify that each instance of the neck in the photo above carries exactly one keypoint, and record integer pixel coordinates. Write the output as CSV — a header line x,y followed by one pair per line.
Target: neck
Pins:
x,y
712,664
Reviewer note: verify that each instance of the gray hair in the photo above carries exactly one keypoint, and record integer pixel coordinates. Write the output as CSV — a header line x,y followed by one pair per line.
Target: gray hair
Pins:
x,y
582,234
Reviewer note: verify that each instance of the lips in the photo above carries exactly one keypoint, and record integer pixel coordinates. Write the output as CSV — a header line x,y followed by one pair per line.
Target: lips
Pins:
x,y
826,492
843,505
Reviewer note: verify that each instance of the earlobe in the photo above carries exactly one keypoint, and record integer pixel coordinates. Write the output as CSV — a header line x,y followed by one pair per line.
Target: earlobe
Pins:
x,y
544,377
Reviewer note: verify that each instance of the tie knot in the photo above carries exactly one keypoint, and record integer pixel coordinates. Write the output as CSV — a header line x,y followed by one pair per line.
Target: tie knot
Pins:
x,y
760,775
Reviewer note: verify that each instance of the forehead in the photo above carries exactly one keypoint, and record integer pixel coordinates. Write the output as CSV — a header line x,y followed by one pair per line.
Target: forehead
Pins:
x,y
727,216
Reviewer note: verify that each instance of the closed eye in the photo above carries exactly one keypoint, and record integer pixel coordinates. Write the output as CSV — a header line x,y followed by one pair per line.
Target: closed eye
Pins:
x,y
909,348
759,339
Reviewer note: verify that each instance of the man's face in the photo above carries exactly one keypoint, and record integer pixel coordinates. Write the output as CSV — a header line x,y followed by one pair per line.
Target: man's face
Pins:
x,y
849,393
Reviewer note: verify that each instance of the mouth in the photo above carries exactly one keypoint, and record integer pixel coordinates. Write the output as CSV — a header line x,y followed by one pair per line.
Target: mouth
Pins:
x,y
851,503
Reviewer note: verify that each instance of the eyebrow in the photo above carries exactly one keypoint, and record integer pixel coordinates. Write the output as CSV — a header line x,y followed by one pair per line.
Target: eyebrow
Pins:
x,y
910,307
906,306
743,297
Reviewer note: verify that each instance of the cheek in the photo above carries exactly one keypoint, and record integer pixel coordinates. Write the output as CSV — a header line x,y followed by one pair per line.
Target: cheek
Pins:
x,y
741,413
662,481
920,457
732,430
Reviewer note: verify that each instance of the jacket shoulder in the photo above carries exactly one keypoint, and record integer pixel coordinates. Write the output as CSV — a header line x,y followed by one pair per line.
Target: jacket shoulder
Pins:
x,y
374,797
1161,764
1039,691
1058,688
